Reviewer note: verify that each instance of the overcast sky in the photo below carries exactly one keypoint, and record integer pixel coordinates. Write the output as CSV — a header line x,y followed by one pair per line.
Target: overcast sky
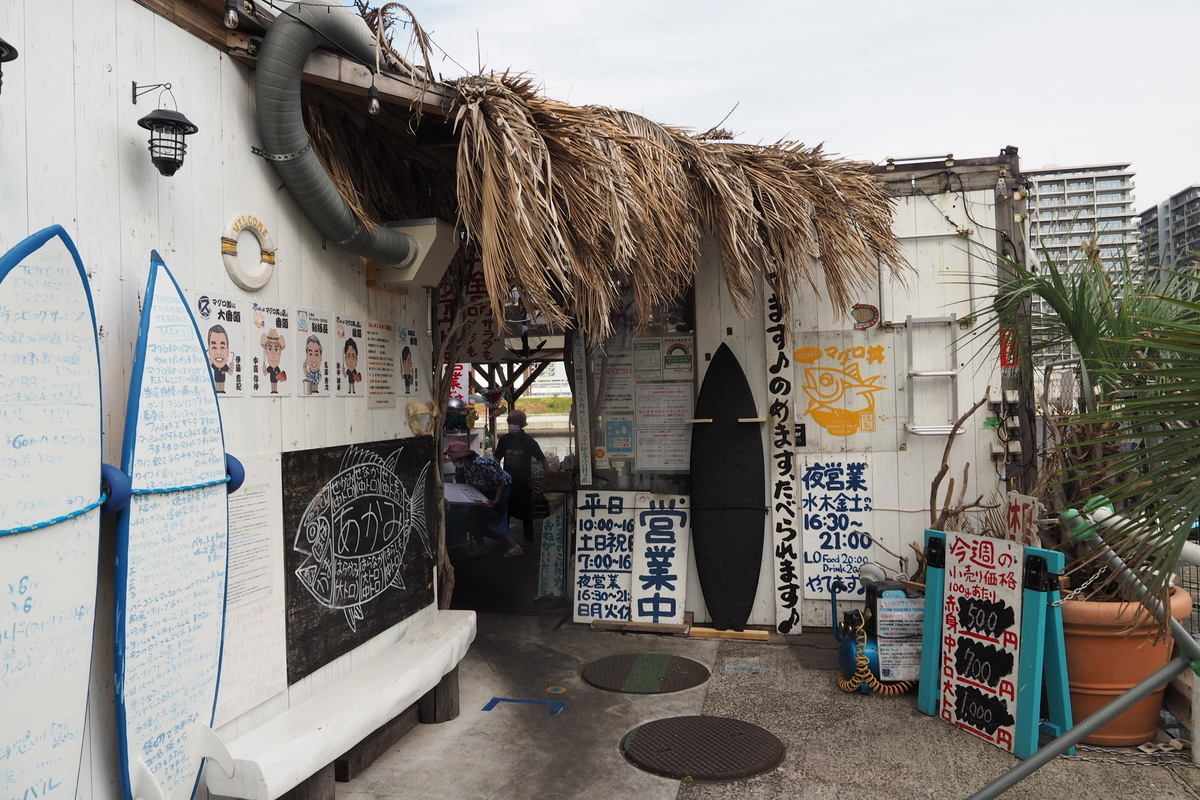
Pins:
x,y
1069,82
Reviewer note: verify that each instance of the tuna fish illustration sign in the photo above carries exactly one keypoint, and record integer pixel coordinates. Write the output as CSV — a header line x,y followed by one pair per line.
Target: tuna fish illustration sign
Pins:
x,y
359,556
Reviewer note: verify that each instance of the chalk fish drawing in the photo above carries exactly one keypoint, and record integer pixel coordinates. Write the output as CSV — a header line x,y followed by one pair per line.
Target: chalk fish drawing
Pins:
x,y
356,532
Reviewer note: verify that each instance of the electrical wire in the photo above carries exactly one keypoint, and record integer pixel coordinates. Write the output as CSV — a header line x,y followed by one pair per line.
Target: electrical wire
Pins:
x,y
862,673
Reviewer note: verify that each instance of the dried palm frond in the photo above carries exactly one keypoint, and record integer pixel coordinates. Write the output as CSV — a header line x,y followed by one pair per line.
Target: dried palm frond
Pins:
x,y
568,205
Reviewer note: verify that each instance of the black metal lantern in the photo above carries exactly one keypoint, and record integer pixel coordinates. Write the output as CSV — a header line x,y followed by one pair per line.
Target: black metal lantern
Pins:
x,y
167,129
7,53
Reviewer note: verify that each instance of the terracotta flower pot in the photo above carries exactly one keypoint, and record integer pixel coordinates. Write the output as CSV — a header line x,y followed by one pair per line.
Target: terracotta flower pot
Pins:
x,y
1104,659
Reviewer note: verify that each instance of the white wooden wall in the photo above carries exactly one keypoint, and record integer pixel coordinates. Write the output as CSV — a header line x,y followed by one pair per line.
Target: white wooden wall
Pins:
x,y
71,153
903,464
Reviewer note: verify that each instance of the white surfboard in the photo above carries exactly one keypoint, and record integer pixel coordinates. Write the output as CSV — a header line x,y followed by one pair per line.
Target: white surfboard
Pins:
x,y
49,528
172,553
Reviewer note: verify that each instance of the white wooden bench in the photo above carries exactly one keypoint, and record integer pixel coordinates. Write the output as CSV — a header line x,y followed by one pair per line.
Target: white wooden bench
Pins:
x,y
286,750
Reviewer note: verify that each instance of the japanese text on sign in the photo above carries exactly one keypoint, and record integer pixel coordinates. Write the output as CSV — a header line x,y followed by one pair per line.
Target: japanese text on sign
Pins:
x,y
782,475
837,517
660,558
604,528
482,342
979,651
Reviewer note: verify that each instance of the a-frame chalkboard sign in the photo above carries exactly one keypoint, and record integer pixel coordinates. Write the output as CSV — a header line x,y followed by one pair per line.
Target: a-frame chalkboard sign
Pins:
x,y
993,639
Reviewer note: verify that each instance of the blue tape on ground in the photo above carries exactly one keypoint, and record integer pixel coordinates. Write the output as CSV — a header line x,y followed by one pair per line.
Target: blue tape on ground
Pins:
x,y
555,708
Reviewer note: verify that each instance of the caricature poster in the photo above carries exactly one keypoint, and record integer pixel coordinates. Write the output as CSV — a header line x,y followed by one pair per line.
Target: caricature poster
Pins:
x,y
349,367
316,367
272,345
222,321
408,384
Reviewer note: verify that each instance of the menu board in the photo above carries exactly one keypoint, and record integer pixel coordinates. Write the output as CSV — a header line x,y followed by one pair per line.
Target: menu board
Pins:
x,y
49,469
172,546
838,520
604,525
980,635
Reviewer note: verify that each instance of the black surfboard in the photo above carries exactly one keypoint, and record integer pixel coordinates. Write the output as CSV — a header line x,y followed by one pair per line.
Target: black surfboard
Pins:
x,y
728,492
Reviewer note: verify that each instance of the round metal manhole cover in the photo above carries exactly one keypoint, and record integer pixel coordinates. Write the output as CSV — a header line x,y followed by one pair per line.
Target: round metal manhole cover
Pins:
x,y
702,748
645,673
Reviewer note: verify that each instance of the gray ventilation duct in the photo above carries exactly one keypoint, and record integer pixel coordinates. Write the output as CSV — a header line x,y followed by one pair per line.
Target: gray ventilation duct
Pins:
x,y
292,36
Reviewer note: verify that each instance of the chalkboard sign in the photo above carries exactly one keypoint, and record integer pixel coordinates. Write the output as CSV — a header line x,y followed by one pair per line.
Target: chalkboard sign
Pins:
x,y
172,547
981,634
358,551
992,638
49,470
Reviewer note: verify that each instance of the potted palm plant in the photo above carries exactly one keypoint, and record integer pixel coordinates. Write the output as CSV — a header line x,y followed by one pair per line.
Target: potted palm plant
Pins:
x,y
1133,436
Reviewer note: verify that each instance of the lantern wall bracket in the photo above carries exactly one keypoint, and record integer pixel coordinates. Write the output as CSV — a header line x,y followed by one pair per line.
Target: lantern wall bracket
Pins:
x,y
149,88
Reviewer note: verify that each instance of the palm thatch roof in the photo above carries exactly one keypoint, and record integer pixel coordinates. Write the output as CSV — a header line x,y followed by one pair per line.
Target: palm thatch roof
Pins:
x,y
570,206
567,204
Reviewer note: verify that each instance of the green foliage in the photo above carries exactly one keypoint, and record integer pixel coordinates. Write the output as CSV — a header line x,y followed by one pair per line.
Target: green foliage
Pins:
x,y
1138,440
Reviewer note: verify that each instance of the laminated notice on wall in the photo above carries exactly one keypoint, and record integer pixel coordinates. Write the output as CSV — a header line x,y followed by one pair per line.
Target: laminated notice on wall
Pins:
x,y
898,629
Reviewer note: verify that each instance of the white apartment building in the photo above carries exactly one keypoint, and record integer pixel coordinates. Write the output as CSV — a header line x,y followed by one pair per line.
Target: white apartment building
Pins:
x,y
1070,205
1171,230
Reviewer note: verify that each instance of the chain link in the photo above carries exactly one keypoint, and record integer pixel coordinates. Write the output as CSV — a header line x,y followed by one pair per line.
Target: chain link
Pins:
x,y
1078,591
1109,756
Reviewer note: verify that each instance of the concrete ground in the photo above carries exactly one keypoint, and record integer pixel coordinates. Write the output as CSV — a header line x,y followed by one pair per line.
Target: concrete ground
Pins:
x,y
839,746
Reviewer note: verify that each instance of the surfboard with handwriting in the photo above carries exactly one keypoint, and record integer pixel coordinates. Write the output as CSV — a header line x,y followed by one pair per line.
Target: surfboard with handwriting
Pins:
x,y
728,494
49,531
172,551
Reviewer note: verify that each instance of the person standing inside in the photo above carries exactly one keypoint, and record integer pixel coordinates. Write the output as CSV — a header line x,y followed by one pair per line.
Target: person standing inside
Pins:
x,y
494,483
517,451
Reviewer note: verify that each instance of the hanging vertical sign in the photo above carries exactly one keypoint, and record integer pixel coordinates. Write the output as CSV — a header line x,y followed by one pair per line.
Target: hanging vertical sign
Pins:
x,y
604,528
1021,514
583,411
781,479
980,635
660,558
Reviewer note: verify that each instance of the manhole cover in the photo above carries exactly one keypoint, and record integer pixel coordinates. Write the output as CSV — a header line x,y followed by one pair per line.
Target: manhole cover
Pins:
x,y
645,673
702,748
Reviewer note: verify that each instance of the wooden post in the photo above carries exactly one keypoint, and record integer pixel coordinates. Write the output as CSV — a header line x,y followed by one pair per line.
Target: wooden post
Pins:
x,y
440,704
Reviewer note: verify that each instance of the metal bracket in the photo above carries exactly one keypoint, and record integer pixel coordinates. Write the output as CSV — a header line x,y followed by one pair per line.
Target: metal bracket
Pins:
x,y
258,151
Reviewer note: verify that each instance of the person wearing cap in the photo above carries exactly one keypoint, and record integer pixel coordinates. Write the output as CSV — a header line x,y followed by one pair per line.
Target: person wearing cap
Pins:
x,y
486,475
517,450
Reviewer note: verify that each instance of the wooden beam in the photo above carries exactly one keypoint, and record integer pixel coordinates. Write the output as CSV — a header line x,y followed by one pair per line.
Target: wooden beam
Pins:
x,y
346,75
713,633
202,18
640,627
205,20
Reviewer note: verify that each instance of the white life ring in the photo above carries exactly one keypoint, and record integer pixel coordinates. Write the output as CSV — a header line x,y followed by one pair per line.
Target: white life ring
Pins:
x,y
254,280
